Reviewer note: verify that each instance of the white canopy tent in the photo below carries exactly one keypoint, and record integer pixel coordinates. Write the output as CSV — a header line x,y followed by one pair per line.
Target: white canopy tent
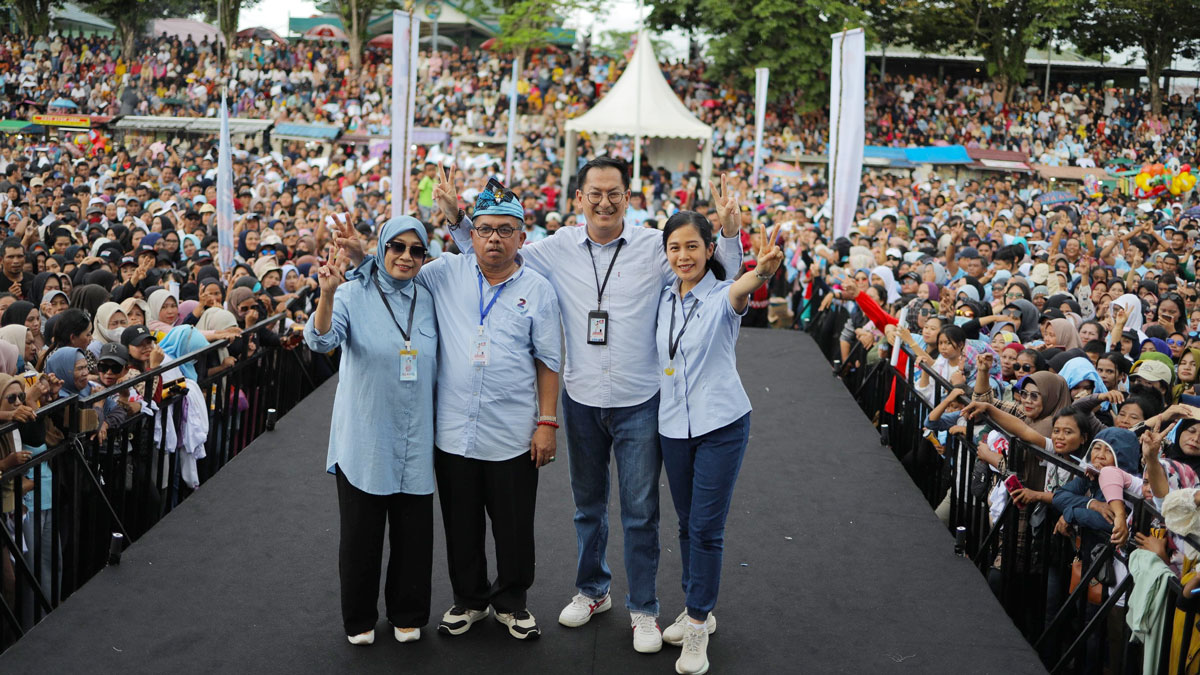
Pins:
x,y
641,104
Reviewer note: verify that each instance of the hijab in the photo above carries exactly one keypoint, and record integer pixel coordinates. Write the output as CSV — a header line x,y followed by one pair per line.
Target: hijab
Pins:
x,y
237,295
1175,452
185,308
129,303
242,250
89,297
1160,346
181,341
16,335
62,364
1080,369
38,288
1133,306
883,272
1066,335
154,305
104,314
1029,330
16,313
1056,395
934,292
372,268
216,318
9,355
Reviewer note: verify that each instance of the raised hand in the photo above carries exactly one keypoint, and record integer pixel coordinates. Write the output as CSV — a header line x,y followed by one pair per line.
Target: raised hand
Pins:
x,y
770,257
330,275
445,195
346,238
727,206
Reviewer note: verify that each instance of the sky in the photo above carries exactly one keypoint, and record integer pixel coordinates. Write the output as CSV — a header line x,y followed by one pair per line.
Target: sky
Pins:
x,y
618,15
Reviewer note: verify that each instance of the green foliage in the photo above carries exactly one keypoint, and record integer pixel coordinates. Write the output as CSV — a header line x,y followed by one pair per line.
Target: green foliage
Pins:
x,y
33,16
789,37
355,15
132,17
616,42
1159,30
1002,31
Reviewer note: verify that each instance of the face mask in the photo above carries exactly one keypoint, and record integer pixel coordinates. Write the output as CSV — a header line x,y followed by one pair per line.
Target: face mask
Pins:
x,y
960,320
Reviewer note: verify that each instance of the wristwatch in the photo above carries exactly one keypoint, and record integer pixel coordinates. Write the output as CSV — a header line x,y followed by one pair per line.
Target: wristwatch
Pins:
x,y
548,418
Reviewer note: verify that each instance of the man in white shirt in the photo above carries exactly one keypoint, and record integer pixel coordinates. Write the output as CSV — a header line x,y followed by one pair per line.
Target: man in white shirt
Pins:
x,y
607,277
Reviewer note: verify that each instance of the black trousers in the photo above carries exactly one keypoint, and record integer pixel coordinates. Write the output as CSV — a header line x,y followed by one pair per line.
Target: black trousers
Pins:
x,y
409,521
507,491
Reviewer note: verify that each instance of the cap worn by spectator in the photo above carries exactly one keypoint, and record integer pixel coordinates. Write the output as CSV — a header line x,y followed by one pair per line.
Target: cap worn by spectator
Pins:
x,y
135,335
112,351
1153,371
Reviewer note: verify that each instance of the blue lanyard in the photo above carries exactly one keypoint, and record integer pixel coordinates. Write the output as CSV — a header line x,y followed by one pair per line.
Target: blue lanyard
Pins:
x,y
484,311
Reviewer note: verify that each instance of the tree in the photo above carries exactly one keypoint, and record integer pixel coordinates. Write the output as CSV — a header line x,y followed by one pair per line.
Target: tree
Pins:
x,y
1159,30
225,13
33,16
1003,31
615,42
887,23
131,17
790,37
355,16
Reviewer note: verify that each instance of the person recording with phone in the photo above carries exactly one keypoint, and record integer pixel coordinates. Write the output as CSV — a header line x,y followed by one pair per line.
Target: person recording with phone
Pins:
x,y
381,429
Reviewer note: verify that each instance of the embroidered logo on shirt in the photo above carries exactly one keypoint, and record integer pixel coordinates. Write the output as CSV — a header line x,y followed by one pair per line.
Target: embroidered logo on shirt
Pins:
x,y
521,305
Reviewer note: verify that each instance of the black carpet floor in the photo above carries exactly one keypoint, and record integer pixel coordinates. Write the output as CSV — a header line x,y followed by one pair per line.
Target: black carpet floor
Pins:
x,y
833,563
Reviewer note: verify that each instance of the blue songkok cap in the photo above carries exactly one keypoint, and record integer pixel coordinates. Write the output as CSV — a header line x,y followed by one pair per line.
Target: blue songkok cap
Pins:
x,y
495,200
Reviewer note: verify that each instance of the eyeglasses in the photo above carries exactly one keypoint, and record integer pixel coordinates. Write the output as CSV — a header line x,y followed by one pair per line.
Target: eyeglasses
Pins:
x,y
1176,343
1014,295
965,312
925,311
485,231
15,397
614,197
399,247
1021,394
109,367
1022,368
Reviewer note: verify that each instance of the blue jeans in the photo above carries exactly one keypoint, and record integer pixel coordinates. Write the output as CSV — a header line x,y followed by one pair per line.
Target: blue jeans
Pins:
x,y
701,472
631,433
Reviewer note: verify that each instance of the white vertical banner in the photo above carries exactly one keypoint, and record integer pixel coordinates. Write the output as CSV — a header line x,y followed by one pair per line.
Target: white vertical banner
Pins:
x,y
405,30
847,83
760,113
512,126
224,205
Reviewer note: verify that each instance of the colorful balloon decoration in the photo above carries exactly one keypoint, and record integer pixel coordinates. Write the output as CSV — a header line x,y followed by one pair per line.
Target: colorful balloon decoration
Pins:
x,y
1155,180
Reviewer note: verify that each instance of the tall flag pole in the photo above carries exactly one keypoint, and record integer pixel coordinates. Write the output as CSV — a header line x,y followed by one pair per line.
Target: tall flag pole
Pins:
x,y
225,213
512,125
405,29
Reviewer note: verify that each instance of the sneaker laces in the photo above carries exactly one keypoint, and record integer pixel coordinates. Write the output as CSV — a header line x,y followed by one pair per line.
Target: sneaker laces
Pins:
x,y
582,601
644,623
693,639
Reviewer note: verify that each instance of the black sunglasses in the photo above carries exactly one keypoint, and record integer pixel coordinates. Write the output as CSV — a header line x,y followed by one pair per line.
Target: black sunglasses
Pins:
x,y
1023,367
15,397
399,247
109,367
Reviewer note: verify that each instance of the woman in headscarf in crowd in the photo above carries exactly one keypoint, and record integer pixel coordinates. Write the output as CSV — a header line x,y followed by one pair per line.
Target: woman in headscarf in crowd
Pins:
x,y
181,341
241,271
219,323
928,290
243,305
42,283
19,336
71,366
1061,333
189,246
186,308
883,275
70,329
89,297
1186,373
65,284
1024,316
247,246
1132,315
53,302
163,311
10,356
136,311
110,322
25,314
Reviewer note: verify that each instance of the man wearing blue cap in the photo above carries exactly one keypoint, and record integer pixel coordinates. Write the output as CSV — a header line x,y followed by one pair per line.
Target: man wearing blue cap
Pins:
x,y
499,345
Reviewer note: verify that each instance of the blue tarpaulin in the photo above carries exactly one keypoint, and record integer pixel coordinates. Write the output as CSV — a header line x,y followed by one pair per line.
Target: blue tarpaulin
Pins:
x,y
947,154
316,132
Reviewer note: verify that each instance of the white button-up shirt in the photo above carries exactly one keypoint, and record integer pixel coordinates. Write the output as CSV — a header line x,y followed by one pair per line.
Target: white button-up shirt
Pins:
x,y
625,371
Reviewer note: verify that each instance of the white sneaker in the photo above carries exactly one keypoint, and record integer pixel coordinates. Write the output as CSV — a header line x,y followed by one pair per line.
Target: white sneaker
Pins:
x,y
582,608
646,638
694,659
407,636
458,620
521,624
673,634
366,638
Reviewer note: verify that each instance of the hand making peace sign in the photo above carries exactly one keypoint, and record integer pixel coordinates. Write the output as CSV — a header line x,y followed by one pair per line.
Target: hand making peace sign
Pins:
x,y
726,202
445,195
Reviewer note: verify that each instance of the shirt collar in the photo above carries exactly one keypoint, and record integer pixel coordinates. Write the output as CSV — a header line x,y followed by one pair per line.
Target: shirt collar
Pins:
x,y
700,290
587,238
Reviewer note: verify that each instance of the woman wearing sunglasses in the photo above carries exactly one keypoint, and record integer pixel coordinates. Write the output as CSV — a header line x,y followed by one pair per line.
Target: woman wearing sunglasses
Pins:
x,y
381,429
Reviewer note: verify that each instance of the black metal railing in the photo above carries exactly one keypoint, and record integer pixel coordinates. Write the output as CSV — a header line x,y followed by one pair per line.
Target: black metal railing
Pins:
x,y
89,493
1061,591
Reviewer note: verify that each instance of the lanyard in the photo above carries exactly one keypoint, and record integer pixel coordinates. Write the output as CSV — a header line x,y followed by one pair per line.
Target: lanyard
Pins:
x,y
612,263
484,311
412,309
673,339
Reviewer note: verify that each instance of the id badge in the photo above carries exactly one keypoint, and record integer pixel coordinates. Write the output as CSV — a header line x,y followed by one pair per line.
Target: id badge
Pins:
x,y
597,328
479,351
408,365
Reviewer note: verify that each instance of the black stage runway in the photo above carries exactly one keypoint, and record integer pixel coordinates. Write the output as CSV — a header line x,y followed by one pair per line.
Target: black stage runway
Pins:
x,y
833,563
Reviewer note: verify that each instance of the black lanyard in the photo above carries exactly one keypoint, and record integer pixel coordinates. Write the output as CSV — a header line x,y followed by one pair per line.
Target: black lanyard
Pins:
x,y
412,309
612,263
673,339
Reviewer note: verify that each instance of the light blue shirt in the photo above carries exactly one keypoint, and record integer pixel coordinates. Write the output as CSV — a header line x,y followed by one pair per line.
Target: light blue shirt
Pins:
x,y
705,393
490,412
620,373
381,430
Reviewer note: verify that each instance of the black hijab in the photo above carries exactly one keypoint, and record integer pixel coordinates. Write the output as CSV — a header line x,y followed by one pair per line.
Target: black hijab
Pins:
x,y
17,313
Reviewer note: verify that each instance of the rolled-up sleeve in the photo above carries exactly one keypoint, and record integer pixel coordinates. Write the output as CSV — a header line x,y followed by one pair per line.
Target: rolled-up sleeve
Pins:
x,y
339,327
547,332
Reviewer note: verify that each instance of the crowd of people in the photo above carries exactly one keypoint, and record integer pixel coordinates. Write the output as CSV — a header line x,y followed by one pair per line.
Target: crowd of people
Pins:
x,y
1073,322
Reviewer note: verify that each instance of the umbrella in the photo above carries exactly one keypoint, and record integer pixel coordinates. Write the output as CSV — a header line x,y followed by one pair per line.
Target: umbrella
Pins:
x,y
1057,197
260,33
61,102
384,40
442,41
326,31
1193,212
